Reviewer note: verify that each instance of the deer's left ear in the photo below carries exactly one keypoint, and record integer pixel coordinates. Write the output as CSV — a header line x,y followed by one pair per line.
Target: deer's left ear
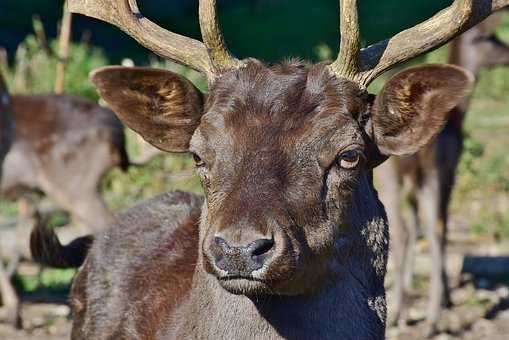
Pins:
x,y
163,107
414,105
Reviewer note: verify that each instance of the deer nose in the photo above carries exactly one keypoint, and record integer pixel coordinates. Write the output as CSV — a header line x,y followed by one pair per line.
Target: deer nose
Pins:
x,y
242,260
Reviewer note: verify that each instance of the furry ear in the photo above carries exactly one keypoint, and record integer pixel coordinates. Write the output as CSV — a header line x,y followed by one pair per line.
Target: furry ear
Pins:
x,y
414,105
163,107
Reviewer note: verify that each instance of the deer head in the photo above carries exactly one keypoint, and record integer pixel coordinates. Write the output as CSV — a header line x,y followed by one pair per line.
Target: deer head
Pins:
x,y
285,153
479,47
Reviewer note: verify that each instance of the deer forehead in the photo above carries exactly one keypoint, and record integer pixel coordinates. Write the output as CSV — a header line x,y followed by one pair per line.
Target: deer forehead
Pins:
x,y
286,107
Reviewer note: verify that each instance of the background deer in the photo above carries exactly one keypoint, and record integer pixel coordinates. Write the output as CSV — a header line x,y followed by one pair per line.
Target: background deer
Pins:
x,y
291,237
426,179
62,146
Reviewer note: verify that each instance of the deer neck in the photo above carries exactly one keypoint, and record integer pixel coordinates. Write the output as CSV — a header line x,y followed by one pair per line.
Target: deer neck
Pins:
x,y
351,304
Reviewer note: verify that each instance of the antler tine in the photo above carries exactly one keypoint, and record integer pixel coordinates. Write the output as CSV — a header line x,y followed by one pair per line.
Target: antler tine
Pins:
x,y
430,34
416,40
347,62
125,15
213,38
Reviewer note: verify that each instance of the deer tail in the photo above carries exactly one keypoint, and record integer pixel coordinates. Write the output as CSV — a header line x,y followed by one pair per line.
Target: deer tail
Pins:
x,y
47,250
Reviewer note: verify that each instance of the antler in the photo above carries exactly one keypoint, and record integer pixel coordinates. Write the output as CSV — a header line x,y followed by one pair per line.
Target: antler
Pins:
x,y
209,57
364,65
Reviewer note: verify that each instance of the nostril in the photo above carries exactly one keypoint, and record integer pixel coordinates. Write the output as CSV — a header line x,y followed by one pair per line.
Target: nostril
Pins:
x,y
261,246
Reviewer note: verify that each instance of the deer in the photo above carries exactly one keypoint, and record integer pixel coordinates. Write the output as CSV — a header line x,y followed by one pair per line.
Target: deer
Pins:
x,y
427,177
289,240
61,146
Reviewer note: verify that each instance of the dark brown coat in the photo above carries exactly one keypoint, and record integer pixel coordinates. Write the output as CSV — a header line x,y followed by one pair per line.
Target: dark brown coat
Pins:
x,y
291,240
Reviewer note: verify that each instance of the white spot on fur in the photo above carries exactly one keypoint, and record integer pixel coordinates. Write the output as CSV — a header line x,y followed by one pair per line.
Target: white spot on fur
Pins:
x,y
378,305
374,233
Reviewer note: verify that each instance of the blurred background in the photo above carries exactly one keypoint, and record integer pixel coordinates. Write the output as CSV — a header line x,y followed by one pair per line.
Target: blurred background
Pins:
x,y
269,30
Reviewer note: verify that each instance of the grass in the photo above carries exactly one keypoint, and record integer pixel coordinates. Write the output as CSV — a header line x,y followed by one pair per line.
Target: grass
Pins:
x,y
481,195
54,281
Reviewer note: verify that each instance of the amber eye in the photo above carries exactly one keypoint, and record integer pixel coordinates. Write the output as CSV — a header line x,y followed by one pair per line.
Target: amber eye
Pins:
x,y
349,159
197,160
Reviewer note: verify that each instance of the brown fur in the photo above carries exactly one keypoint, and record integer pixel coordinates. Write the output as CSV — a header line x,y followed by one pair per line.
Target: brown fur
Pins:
x,y
269,147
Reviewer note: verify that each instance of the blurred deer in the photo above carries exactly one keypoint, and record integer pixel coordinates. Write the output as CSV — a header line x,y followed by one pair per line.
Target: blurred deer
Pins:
x,y
62,146
427,178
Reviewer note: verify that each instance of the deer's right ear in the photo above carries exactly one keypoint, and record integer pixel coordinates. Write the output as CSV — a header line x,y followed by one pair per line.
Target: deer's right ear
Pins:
x,y
163,107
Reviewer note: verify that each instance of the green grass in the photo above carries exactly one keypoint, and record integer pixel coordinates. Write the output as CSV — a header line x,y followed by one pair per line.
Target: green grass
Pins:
x,y
34,69
49,280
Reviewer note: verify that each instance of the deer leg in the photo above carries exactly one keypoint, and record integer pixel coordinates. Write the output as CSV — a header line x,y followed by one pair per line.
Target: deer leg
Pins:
x,y
9,299
80,194
93,213
90,211
448,158
85,205
443,222
428,200
446,300
412,228
13,264
390,194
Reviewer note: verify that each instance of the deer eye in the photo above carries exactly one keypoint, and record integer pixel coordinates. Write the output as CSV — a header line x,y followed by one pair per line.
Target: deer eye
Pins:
x,y
349,159
197,160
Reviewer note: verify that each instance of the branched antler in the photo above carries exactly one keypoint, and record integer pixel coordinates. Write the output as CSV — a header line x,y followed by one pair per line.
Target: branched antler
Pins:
x,y
362,66
209,58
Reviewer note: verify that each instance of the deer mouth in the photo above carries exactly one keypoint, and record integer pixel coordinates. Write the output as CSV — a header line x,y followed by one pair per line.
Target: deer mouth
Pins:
x,y
230,277
244,285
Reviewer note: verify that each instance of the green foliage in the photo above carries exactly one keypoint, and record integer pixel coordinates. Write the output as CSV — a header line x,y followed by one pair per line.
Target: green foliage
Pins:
x,y
493,84
8,210
34,68
58,219
53,280
473,150
163,173
481,194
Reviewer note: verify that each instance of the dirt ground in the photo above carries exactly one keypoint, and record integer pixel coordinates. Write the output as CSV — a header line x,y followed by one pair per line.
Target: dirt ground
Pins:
x,y
41,321
476,314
